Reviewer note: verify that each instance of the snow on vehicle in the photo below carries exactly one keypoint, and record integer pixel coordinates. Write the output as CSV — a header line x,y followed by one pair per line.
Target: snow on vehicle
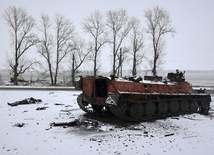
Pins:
x,y
137,99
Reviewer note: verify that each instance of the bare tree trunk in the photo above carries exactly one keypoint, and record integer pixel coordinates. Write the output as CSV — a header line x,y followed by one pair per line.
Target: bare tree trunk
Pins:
x,y
15,80
50,73
15,71
73,69
114,59
56,71
120,66
154,72
134,70
95,64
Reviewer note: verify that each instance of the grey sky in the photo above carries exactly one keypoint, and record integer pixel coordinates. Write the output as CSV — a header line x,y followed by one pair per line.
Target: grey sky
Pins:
x,y
191,48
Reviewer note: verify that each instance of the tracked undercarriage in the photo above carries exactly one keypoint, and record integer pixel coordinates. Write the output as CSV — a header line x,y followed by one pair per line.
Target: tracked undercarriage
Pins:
x,y
134,99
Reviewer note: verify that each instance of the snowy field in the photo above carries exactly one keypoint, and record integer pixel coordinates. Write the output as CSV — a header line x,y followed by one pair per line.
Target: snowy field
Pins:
x,y
27,130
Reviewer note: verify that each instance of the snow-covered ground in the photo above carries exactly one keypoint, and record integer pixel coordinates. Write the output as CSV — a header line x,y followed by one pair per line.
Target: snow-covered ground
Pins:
x,y
188,134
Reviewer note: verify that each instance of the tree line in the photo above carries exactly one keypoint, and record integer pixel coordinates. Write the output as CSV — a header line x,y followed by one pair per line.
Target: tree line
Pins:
x,y
54,39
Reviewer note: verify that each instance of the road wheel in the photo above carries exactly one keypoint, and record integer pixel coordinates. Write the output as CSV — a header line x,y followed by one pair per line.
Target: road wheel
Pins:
x,y
204,107
162,108
193,106
184,106
174,107
136,111
150,108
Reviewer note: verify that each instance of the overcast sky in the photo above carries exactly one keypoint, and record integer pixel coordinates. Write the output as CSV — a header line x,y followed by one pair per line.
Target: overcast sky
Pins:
x,y
191,48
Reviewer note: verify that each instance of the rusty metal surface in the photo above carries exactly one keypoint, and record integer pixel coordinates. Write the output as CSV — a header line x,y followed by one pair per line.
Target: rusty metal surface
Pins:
x,y
135,99
115,85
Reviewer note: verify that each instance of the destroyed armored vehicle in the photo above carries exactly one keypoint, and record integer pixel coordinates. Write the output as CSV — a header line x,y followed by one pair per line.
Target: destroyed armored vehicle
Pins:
x,y
138,99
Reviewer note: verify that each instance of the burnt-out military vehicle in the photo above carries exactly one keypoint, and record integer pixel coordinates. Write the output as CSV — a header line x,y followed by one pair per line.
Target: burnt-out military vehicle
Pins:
x,y
138,99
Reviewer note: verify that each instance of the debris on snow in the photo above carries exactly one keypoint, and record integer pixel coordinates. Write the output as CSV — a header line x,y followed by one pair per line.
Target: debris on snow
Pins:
x,y
30,100
190,118
25,111
19,125
171,134
73,123
67,110
76,122
41,108
59,104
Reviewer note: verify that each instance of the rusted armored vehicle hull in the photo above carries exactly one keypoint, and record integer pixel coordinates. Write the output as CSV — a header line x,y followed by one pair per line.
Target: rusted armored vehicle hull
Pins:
x,y
134,99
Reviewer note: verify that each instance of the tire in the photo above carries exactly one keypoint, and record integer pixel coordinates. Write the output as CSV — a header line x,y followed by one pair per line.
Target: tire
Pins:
x,y
163,108
193,106
204,107
174,107
150,109
136,111
184,106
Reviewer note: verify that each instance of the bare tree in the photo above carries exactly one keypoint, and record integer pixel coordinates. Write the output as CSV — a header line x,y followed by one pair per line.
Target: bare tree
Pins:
x,y
22,37
46,44
55,47
77,56
159,24
137,44
119,25
95,26
64,34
